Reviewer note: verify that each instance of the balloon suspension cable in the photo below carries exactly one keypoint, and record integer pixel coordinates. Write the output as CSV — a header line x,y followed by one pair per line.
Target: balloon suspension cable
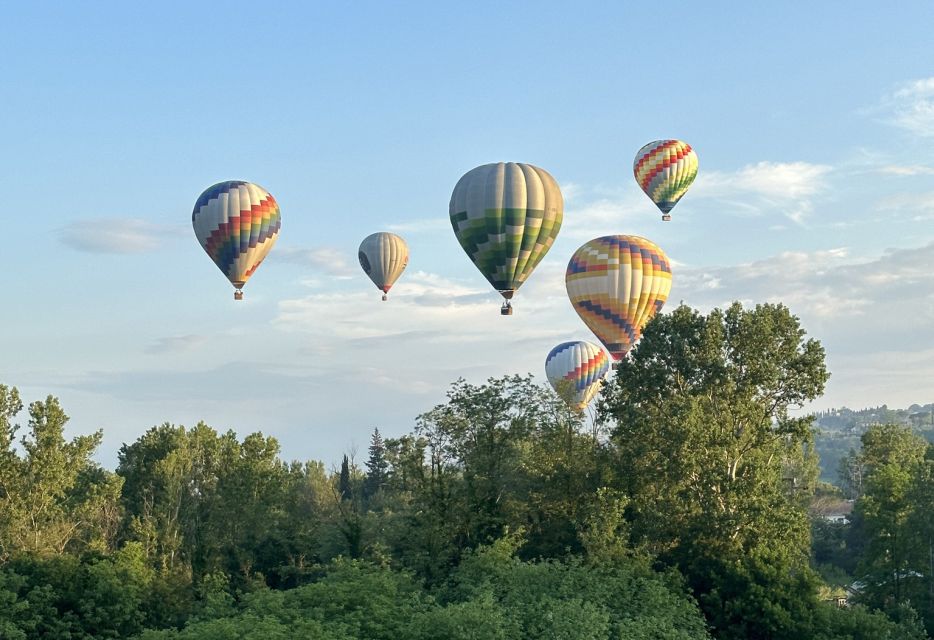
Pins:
x,y
238,295
506,309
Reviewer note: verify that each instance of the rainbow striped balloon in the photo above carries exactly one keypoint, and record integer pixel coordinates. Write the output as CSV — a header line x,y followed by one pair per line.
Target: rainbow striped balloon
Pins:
x,y
665,169
576,371
237,223
616,284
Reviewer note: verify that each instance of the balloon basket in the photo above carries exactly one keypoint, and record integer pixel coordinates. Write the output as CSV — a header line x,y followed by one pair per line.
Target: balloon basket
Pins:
x,y
385,297
506,309
238,295
666,217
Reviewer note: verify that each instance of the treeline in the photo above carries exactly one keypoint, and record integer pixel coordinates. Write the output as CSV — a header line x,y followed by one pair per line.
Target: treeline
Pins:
x,y
849,420
885,552
681,513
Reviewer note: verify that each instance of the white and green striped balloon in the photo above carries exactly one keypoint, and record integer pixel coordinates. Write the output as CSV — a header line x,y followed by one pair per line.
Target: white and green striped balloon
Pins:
x,y
506,216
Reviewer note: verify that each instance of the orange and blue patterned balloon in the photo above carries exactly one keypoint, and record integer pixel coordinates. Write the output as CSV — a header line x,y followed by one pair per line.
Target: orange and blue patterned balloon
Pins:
x,y
237,223
576,371
665,169
616,284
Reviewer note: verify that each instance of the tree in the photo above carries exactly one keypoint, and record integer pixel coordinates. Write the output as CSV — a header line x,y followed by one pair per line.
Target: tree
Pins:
x,y
377,468
893,457
344,487
53,497
852,473
714,464
920,528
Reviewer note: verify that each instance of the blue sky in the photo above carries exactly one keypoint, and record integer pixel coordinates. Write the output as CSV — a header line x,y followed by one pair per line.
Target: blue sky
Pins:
x,y
813,123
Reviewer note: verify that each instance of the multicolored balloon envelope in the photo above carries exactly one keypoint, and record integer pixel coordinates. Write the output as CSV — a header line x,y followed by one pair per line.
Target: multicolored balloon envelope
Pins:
x,y
506,217
237,223
665,169
616,284
383,257
576,371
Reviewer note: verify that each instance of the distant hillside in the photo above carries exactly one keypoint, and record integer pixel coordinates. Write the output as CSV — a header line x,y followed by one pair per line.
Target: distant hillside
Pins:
x,y
839,430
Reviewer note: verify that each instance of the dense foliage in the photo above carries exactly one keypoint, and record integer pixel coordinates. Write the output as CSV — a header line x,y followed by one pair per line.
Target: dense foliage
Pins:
x,y
681,513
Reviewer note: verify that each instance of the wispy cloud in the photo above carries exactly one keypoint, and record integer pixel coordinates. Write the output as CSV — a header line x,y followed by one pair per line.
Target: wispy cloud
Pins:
x,y
570,191
911,107
328,260
911,206
606,215
906,170
117,235
835,290
753,189
176,344
775,180
788,188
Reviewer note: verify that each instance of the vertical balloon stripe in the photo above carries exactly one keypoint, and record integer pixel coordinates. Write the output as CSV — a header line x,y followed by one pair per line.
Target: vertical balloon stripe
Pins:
x,y
383,257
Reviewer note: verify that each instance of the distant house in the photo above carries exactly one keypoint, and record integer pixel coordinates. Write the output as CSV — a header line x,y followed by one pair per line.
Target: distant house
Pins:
x,y
836,511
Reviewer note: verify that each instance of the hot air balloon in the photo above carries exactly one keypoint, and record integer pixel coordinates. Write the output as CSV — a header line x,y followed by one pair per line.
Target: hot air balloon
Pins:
x,y
665,169
237,223
383,257
506,216
616,284
576,371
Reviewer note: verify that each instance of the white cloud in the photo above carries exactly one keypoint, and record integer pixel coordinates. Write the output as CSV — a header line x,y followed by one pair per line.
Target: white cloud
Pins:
x,y
570,191
775,180
786,186
907,170
836,292
912,107
911,206
419,304
176,344
606,216
117,235
329,260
